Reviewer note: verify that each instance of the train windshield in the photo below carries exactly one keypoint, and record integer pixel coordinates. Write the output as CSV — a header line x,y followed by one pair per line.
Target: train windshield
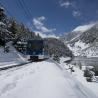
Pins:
x,y
35,47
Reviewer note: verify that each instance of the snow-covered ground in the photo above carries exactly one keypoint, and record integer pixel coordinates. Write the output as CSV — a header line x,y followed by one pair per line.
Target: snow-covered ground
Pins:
x,y
41,80
45,79
91,85
78,75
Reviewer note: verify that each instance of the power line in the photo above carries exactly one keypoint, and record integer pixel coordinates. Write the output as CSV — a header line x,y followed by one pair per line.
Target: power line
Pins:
x,y
20,4
17,5
23,7
28,9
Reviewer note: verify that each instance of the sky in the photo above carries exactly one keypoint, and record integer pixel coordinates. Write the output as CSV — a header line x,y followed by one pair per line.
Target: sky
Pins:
x,y
52,17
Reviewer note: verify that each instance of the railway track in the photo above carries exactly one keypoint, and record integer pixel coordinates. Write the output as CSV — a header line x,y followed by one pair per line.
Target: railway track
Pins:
x,y
21,64
14,66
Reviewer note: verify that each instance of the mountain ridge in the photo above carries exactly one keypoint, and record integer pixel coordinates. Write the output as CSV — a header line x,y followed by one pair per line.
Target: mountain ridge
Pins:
x,y
78,41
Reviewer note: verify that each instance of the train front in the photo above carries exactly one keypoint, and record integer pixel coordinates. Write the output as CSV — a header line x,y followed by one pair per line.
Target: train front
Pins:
x,y
35,50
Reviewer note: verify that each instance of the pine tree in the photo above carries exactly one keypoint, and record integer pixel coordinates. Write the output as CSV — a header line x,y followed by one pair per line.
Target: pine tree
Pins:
x,y
38,36
2,15
56,58
13,28
2,26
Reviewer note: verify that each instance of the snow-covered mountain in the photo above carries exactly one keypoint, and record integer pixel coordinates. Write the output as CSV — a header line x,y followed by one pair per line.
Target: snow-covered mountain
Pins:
x,y
75,34
83,40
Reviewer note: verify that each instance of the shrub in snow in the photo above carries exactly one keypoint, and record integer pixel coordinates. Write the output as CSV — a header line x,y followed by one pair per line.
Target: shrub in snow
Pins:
x,y
56,58
89,79
96,72
95,69
89,75
2,43
92,77
71,67
80,66
6,49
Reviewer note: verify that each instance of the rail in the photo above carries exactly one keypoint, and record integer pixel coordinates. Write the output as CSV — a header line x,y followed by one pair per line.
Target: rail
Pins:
x,y
13,66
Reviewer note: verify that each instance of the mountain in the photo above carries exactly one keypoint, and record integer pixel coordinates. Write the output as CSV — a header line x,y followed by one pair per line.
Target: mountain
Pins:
x,y
68,37
56,47
75,34
82,40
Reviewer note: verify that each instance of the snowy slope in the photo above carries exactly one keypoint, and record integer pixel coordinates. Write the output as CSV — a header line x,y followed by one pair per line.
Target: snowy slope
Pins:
x,y
82,49
78,47
12,57
84,28
78,75
91,51
81,39
41,80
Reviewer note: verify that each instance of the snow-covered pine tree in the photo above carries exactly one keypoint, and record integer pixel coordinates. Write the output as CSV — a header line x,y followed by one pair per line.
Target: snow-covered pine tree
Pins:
x,y
56,58
2,26
13,28
2,14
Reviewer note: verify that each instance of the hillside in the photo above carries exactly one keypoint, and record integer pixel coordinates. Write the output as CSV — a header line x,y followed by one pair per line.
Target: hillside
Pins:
x,y
83,42
12,30
56,47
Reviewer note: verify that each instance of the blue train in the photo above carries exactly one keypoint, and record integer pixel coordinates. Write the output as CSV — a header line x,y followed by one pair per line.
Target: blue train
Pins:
x,y
35,50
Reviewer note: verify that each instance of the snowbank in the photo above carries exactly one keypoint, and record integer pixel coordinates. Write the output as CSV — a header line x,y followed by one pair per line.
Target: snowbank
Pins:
x,y
78,75
12,57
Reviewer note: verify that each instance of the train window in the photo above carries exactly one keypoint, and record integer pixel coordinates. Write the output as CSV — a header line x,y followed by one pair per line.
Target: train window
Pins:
x,y
35,47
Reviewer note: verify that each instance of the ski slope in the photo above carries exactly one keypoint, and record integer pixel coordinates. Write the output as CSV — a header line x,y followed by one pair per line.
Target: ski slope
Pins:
x,y
41,80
